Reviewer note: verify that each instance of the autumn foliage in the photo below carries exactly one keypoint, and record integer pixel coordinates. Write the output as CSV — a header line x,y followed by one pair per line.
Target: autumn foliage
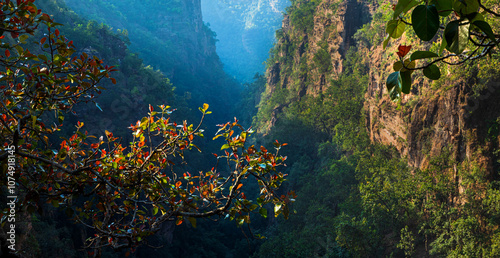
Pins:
x,y
126,190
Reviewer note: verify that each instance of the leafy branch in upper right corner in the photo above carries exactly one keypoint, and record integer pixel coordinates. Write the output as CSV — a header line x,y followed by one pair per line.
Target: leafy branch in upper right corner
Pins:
x,y
466,35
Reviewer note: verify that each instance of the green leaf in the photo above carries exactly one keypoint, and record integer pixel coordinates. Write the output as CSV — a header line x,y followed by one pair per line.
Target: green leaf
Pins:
x,y
393,85
432,72
409,64
395,95
392,81
486,28
192,221
422,55
43,57
277,208
225,146
33,121
475,17
406,81
263,212
397,66
23,38
411,5
155,210
395,28
425,21
386,41
403,6
466,6
444,7
457,36
443,46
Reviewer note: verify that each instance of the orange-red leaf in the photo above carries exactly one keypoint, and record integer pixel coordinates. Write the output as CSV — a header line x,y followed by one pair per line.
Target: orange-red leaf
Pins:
x,y
7,53
57,33
239,186
178,184
403,50
31,9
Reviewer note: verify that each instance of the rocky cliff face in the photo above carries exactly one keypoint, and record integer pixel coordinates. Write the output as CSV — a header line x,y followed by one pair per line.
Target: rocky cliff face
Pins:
x,y
332,26
185,28
169,35
448,118
453,114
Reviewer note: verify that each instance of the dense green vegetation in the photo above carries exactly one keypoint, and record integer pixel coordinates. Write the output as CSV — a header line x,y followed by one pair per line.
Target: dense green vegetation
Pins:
x,y
137,84
357,198
352,197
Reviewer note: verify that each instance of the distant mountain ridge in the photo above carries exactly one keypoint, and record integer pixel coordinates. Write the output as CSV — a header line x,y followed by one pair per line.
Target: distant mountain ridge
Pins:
x,y
245,32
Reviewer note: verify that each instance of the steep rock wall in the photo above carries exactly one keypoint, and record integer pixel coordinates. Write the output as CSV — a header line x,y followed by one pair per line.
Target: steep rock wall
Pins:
x,y
333,24
453,113
311,47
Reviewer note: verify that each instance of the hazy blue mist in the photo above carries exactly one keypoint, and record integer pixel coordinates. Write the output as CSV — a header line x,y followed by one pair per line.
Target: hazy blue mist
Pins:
x,y
245,32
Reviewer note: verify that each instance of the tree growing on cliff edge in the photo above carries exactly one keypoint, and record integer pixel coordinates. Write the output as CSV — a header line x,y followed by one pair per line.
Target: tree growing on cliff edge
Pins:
x,y
466,35
124,192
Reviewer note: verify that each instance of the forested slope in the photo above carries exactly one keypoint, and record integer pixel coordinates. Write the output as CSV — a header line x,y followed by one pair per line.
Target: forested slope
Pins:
x,y
191,61
170,36
117,106
375,177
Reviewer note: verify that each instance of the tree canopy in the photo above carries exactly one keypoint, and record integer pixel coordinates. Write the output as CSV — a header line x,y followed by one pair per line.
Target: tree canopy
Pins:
x,y
122,192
